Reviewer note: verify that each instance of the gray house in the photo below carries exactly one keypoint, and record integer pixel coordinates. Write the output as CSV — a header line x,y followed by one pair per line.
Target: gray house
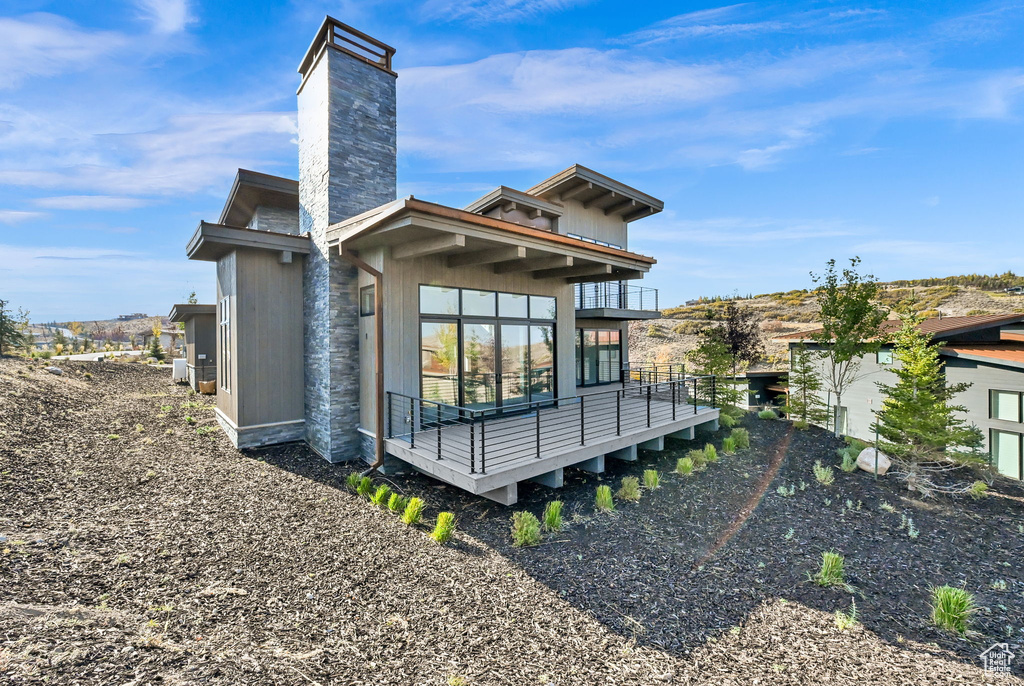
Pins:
x,y
483,346
986,351
200,323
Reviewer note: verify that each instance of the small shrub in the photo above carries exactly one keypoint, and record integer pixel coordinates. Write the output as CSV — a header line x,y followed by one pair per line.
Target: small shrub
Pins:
x,y
849,463
847,620
684,466
888,507
397,503
727,421
413,513
979,490
113,437
352,481
365,487
832,572
856,445
444,528
767,414
786,492
141,429
825,475
525,529
698,458
553,516
710,454
652,480
801,425
789,534
742,437
654,331
729,445
952,608
912,530
603,499
189,419
630,489
381,495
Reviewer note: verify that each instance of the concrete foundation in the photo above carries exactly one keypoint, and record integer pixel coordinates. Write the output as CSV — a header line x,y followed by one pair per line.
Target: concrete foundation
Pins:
x,y
684,435
506,495
552,479
627,454
594,465
654,444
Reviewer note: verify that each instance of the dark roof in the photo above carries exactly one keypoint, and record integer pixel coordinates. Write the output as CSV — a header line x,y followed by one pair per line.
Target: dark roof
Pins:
x,y
937,326
251,189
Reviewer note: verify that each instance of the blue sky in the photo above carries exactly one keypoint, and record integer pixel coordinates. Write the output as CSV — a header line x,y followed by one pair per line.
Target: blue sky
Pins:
x,y
778,134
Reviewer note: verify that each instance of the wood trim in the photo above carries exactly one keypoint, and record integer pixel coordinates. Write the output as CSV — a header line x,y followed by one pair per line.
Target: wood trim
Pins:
x,y
428,246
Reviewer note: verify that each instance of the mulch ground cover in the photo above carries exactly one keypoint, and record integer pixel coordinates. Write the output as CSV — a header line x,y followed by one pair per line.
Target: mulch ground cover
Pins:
x,y
137,546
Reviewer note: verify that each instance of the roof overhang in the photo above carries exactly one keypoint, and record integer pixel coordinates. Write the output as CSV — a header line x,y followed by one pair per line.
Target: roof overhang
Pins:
x,y
414,228
999,355
597,191
185,311
251,189
511,199
210,242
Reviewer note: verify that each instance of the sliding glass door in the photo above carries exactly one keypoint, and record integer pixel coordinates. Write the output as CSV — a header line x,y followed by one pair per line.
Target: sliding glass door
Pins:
x,y
479,369
598,356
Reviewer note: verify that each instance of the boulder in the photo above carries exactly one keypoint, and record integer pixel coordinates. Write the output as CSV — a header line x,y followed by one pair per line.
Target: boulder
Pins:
x,y
55,370
866,461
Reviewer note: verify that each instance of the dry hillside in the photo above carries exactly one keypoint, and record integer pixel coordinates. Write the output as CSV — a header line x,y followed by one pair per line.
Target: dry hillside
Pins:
x,y
669,338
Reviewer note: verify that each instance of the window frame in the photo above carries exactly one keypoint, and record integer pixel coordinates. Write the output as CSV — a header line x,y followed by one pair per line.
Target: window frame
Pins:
x,y
1020,450
992,405
224,332
368,307
878,357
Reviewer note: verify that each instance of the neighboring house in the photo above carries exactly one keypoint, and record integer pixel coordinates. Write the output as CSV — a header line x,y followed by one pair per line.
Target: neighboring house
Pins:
x,y
170,340
463,342
986,351
200,340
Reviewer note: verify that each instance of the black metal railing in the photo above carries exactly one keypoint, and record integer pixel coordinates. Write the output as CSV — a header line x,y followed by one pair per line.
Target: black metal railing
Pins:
x,y
618,295
482,439
653,372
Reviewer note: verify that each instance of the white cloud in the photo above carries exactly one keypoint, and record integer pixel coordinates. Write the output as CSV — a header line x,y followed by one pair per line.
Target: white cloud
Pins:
x,y
167,16
17,216
46,45
90,202
494,11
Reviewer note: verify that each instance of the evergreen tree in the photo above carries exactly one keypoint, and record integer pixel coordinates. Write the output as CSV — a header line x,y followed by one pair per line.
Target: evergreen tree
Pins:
x,y
11,333
850,323
712,357
918,424
803,400
155,349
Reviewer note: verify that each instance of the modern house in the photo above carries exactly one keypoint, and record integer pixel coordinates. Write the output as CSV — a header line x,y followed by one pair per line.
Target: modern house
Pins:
x,y
200,340
484,345
986,351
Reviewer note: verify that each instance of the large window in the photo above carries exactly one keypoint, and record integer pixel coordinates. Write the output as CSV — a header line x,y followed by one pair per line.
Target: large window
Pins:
x,y
484,349
1006,405
598,356
225,342
1007,450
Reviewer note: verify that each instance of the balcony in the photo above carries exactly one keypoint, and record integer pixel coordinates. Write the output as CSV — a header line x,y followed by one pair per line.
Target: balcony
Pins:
x,y
487,451
616,301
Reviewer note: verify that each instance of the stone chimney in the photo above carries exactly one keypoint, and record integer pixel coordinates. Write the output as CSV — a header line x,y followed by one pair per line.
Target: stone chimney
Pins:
x,y
347,165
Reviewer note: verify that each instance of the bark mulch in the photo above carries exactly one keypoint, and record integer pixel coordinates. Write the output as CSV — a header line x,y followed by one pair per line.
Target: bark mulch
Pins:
x,y
136,546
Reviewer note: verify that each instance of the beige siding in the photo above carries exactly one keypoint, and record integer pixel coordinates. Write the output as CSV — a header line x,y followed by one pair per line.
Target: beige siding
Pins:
x,y
592,223
267,323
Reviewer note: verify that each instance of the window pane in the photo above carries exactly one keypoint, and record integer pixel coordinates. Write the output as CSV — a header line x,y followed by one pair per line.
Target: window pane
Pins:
x,y
439,370
589,357
478,303
542,307
542,362
1006,405
884,357
439,300
366,300
478,365
512,305
515,372
579,357
1006,453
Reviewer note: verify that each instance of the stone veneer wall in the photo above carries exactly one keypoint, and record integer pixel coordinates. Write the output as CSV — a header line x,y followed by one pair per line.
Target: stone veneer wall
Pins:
x,y
278,219
347,165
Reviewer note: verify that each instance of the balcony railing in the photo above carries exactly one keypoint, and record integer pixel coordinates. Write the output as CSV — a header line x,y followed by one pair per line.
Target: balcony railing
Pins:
x,y
618,295
653,372
478,440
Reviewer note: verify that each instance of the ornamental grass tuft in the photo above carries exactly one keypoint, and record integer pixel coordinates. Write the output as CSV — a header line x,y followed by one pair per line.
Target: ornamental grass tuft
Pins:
x,y
444,528
767,414
652,480
630,489
603,499
710,453
381,495
525,529
352,481
742,437
684,466
413,513
952,608
553,516
729,445
397,503
365,487
833,570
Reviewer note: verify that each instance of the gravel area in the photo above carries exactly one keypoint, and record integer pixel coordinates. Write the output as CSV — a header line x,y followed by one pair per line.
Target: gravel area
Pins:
x,y
137,546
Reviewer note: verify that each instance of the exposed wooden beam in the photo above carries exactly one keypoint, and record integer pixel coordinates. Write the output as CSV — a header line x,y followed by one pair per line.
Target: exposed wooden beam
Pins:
x,y
620,275
610,195
489,256
509,207
642,212
578,190
535,214
567,272
620,207
533,264
429,246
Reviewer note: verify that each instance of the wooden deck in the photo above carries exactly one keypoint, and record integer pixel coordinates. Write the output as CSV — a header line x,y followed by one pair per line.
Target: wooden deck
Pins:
x,y
490,455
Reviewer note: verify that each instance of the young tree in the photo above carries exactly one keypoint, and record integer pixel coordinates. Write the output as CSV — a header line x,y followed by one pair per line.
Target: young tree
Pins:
x,y
918,424
11,334
741,333
712,357
803,400
850,326
155,349
737,341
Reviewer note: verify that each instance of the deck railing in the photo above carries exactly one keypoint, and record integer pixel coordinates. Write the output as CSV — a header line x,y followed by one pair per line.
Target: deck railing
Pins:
x,y
617,295
653,372
487,438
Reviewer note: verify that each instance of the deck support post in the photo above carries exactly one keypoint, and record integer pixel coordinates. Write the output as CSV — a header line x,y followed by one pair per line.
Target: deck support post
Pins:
x,y
506,495
686,434
594,465
552,479
654,444
627,454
